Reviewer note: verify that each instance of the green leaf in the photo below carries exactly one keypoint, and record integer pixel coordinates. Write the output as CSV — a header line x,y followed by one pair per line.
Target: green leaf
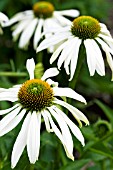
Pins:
x,y
100,148
107,110
76,164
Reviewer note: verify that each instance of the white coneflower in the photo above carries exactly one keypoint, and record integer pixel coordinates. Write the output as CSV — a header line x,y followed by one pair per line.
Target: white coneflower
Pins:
x,y
41,18
3,19
84,30
37,98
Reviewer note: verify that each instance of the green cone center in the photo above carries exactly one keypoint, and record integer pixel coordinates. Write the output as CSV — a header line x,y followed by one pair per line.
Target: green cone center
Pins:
x,y
35,95
85,27
43,9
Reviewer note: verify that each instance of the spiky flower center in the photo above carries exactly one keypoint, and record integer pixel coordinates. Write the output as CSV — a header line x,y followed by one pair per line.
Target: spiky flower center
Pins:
x,y
35,95
85,27
43,9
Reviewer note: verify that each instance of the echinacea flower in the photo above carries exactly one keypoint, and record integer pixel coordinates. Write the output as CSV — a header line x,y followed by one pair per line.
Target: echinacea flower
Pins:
x,y
36,99
3,19
42,17
84,30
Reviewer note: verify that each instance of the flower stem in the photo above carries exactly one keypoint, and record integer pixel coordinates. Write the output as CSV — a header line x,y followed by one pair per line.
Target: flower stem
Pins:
x,y
31,167
13,74
81,56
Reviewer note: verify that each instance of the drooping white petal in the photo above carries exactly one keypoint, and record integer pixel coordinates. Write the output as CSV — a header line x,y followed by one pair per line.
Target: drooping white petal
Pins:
x,y
104,30
20,141
68,92
51,72
107,39
70,12
13,123
46,120
91,60
75,112
75,130
27,33
100,68
70,55
74,57
18,28
57,52
33,138
104,45
110,62
54,127
37,34
46,43
3,112
68,145
19,16
9,117
30,65
65,52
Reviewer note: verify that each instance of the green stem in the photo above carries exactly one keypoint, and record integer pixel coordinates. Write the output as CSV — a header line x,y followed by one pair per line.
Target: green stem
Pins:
x,y
31,167
62,155
103,165
13,74
81,56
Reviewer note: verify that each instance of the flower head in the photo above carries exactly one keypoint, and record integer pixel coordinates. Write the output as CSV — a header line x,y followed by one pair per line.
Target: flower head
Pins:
x,y
84,30
42,17
36,99
3,19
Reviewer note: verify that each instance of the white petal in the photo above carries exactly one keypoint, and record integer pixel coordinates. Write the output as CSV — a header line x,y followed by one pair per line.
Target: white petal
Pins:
x,y
91,60
8,96
62,20
27,33
75,130
70,12
3,18
20,141
51,72
104,30
75,112
65,52
68,142
37,34
100,68
18,28
19,16
54,127
68,92
74,57
9,117
70,55
30,65
110,62
33,138
52,83
104,45
57,52
13,123
46,120
107,39
2,112
52,41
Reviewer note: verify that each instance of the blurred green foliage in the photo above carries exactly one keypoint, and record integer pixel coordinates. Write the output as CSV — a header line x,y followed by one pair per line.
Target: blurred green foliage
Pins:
x,y
98,91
